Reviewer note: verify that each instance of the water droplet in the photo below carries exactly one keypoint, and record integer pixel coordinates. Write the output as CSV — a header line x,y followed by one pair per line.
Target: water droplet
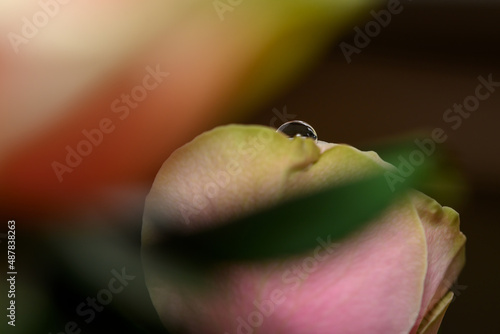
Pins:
x,y
298,129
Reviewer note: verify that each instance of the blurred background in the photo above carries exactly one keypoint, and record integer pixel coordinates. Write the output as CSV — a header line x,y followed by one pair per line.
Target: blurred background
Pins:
x,y
242,65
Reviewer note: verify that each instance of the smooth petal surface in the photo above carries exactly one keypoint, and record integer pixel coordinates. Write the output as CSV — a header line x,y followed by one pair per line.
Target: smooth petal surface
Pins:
x,y
372,282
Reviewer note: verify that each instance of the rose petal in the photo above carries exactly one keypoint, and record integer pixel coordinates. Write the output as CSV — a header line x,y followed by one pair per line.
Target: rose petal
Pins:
x,y
227,172
371,284
445,249
432,321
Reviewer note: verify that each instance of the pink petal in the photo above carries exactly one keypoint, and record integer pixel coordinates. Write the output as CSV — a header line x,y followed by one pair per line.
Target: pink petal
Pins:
x,y
371,283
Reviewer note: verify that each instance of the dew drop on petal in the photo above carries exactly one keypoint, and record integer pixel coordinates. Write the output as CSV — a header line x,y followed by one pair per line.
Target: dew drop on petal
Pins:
x,y
298,129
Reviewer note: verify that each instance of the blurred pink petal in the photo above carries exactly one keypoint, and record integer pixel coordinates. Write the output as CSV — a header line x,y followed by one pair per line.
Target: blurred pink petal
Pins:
x,y
65,77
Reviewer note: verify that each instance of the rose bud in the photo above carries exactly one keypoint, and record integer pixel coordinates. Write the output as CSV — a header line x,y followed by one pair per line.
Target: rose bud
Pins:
x,y
392,276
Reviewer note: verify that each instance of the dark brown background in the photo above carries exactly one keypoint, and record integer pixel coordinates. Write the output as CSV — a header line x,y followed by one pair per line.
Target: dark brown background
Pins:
x,y
427,59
